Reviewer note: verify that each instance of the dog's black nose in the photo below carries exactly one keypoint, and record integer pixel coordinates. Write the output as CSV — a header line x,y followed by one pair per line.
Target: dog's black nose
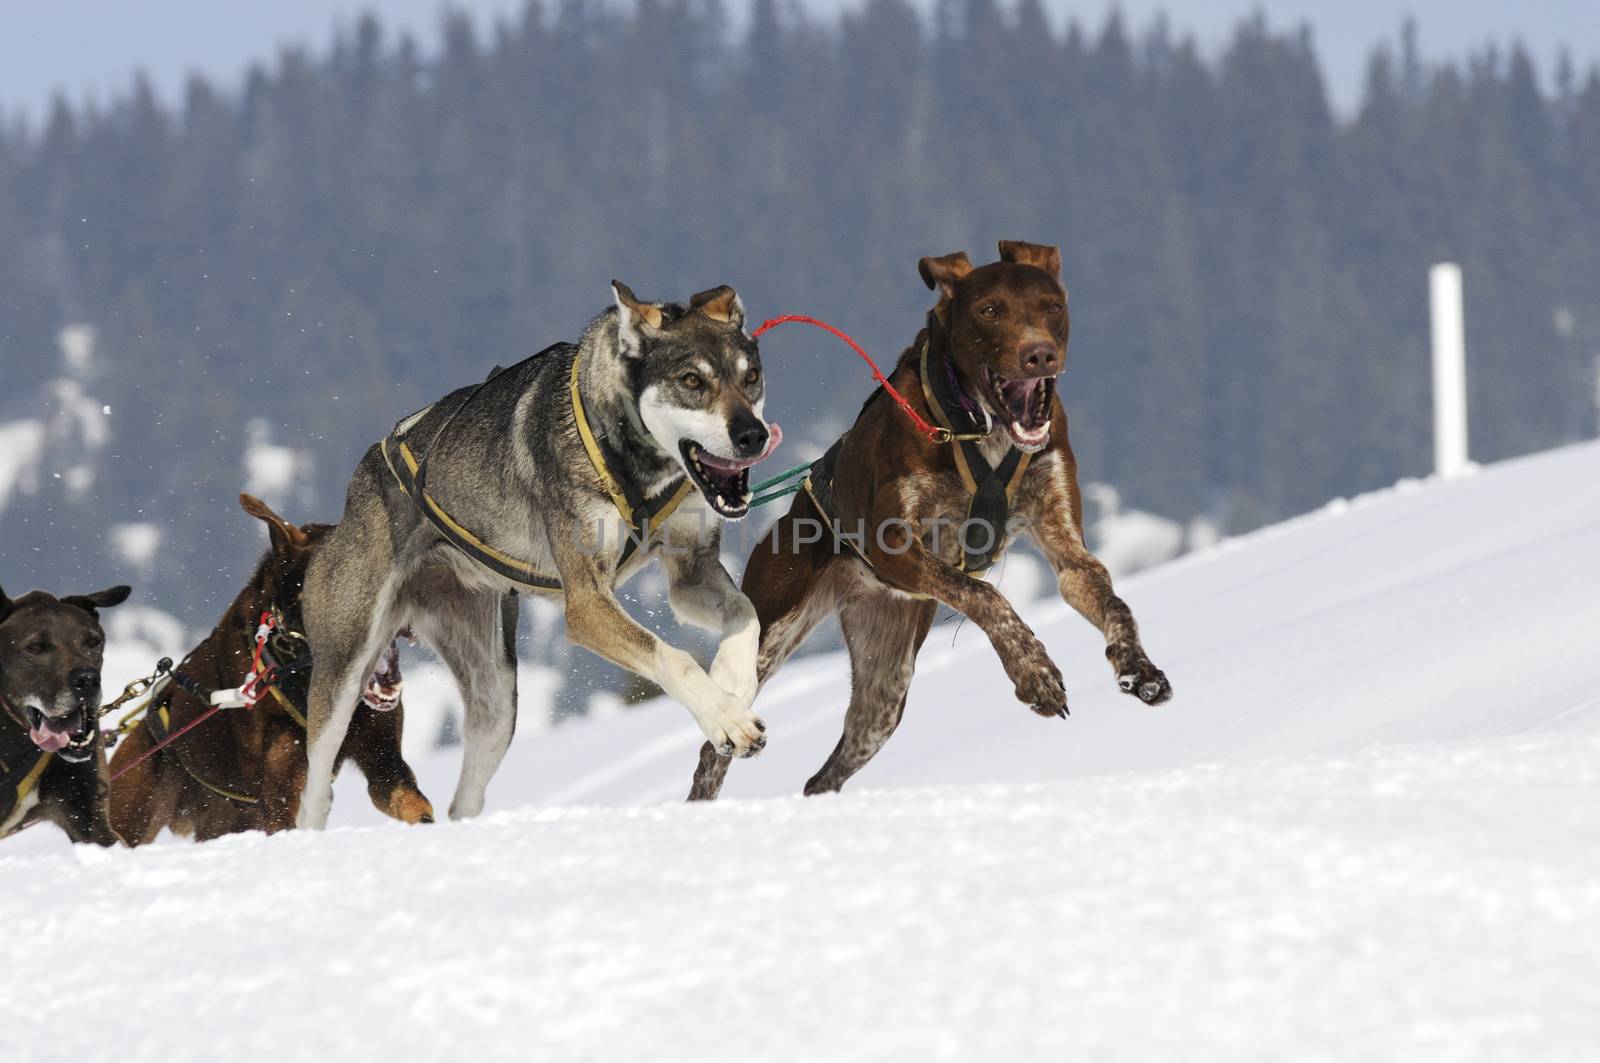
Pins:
x,y
84,681
748,434
1037,357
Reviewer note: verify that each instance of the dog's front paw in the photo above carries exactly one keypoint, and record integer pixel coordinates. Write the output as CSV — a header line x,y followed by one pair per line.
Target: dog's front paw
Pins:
x,y
1136,675
409,806
1039,684
732,729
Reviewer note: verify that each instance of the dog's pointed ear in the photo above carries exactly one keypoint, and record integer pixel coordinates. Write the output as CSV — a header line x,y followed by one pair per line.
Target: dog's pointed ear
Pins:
x,y
721,304
1046,257
5,605
286,537
99,600
635,318
944,271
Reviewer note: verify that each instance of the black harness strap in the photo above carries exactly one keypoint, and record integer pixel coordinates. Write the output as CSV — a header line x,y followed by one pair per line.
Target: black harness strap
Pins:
x,y
818,486
642,514
158,720
983,533
158,717
405,468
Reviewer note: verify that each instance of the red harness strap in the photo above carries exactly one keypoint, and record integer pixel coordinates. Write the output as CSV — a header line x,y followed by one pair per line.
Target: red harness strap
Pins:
x,y
254,689
933,432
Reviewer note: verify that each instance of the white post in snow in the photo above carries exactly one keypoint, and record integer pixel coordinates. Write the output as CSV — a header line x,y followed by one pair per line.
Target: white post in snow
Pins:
x,y
1449,370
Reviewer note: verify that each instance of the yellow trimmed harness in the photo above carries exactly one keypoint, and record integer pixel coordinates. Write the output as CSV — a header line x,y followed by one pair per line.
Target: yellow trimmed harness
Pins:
x,y
992,488
12,797
643,516
159,724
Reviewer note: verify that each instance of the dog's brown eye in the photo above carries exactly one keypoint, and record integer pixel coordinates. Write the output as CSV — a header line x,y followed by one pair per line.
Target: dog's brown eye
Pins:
x,y
93,642
1053,309
989,312
691,381
752,377
38,647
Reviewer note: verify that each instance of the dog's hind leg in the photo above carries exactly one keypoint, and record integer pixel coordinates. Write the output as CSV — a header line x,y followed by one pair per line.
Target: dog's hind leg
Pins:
x,y
336,683
883,634
474,632
349,604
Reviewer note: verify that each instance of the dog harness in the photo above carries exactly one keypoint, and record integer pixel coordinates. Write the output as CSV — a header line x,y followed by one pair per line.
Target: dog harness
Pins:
x,y
992,487
273,659
643,516
158,721
19,780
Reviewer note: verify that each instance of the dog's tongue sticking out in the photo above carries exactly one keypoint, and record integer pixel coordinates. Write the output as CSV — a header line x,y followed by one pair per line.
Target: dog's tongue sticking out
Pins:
x,y
725,482
48,740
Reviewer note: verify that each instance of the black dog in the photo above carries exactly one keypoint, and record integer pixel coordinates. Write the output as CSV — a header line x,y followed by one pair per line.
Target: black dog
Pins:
x,y
52,766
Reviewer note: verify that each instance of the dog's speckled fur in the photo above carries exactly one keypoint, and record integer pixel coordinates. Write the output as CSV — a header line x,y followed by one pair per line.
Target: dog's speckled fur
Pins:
x,y
1008,318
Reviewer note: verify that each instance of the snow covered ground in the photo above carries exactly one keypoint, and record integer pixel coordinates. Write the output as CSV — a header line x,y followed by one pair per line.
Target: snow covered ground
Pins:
x,y
1368,826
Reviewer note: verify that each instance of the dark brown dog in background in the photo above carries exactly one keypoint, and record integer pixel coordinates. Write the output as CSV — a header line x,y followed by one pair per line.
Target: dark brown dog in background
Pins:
x,y
985,368
243,769
52,764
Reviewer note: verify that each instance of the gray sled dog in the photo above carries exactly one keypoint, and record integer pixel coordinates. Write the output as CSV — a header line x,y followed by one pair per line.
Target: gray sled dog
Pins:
x,y
564,474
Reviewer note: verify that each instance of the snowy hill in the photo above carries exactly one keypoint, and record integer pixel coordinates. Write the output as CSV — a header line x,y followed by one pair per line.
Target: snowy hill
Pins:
x,y
1423,613
1368,826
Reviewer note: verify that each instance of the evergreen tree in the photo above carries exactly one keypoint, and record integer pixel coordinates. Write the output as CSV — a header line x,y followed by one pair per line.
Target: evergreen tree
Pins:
x,y
355,231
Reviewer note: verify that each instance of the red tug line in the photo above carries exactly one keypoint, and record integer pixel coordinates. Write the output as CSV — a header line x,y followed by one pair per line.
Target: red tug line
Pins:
x,y
252,692
938,435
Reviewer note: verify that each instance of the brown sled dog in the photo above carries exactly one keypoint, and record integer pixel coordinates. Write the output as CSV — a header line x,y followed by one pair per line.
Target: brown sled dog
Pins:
x,y
892,524
52,763
243,769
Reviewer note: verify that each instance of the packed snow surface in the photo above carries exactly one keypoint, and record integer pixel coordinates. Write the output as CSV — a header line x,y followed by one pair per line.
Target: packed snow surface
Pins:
x,y
1367,826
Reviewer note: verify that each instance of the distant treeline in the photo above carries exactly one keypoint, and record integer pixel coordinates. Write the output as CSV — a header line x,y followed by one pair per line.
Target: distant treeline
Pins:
x,y
360,229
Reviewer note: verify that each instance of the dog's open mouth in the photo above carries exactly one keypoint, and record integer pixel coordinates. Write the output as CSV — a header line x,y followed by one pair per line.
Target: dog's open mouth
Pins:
x,y
1024,407
69,737
385,684
725,481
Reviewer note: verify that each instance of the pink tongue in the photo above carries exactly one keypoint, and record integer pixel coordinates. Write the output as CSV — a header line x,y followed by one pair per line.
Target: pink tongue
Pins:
x,y
48,740
774,437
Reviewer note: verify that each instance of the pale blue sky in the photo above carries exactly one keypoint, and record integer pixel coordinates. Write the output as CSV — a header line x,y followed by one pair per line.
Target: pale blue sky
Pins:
x,y
91,47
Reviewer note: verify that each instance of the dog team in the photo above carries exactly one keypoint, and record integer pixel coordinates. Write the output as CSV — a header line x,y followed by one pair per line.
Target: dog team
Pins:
x,y
566,474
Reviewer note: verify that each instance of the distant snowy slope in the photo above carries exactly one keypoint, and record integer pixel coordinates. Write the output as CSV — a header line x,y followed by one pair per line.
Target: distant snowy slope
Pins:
x,y
1428,612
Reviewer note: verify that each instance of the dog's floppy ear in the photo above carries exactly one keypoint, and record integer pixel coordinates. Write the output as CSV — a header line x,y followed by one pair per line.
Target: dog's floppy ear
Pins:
x,y
1046,257
286,537
105,599
634,318
944,271
721,304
